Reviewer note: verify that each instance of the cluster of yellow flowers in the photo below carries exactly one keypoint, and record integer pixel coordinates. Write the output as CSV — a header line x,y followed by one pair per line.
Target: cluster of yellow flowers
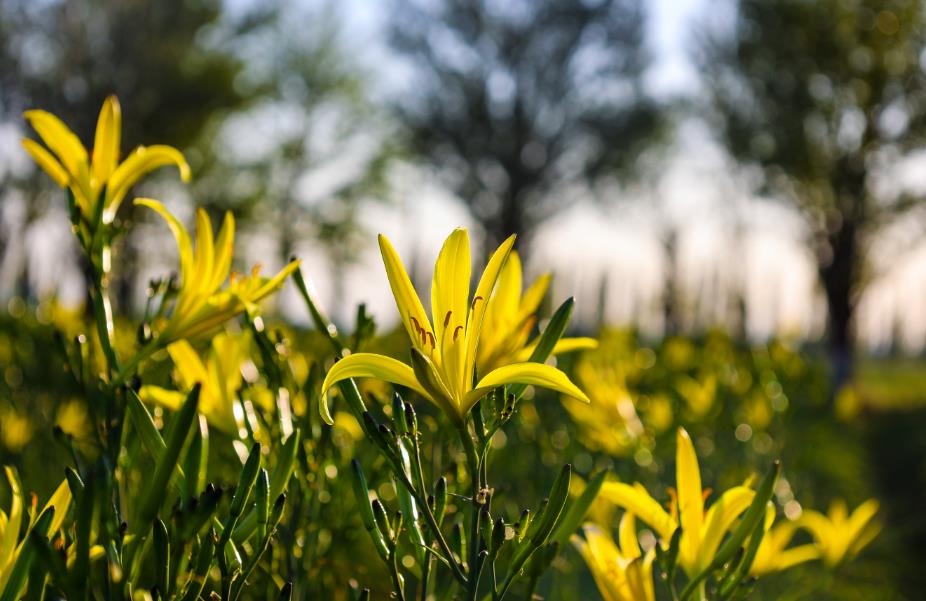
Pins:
x,y
624,572
468,346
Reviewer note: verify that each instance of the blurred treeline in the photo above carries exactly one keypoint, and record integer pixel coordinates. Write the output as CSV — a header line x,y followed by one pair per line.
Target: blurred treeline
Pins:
x,y
518,109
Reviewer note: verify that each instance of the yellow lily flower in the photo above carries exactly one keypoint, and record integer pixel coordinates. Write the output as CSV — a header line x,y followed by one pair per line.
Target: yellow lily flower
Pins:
x,y
510,317
10,523
621,573
70,166
201,304
772,555
839,535
219,376
444,348
702,532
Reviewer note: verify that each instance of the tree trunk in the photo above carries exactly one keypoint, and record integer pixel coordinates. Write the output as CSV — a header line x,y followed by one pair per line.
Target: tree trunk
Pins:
x,y
839,277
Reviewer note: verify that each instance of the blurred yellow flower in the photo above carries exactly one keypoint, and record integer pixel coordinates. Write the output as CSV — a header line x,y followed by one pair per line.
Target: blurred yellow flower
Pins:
x,y
772,555
69,165
16,431
444,348
610,422
622,573
839,535
201,304
699,394
11,523
219,376
510,317
702,532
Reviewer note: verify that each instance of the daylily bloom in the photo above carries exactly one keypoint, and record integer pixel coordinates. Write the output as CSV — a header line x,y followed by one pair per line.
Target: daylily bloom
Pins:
x,y
702,532
621,573
444,348
839,535
70,166
10,523
219,375
201,304
773,556
510,317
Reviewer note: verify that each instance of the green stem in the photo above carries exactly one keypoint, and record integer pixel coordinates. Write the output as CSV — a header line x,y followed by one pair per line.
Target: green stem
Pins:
x,y
472,460
102,310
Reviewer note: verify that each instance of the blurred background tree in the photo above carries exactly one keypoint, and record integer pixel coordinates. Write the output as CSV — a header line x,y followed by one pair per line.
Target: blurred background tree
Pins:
x,y
817,94
521,104
172,78
205,77
313,147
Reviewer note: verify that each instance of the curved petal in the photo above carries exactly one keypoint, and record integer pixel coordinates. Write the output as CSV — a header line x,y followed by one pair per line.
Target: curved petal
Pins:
x,y
142,161
184,244
106,141
406,299
720,518
690,497
13,524
537,374
563,345
637,501
189,366
480,300
47,162
60,139
60,500
205,252
224,247
371,365
627,534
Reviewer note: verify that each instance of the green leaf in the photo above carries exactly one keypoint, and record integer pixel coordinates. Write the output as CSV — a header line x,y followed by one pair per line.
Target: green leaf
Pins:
x,y
572,519
555,329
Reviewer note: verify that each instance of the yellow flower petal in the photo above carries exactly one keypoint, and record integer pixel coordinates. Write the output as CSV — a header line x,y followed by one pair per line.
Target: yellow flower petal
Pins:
x,y
60,500
13,524
60,139
720,518
410,310
533,296
189,366
155,395
690,497
142,161
636,500
205,250
371,365
106,141
47,162
184,244
224,249
483,292
536,374
562,346
449,300
627,534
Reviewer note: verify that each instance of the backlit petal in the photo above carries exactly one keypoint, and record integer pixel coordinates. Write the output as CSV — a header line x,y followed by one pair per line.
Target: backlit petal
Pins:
x,y
47,162
107,140
450,285
563,345
410,310
142,161
60,139
478,308
371,365
720,518
536,374
690,497
637,501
